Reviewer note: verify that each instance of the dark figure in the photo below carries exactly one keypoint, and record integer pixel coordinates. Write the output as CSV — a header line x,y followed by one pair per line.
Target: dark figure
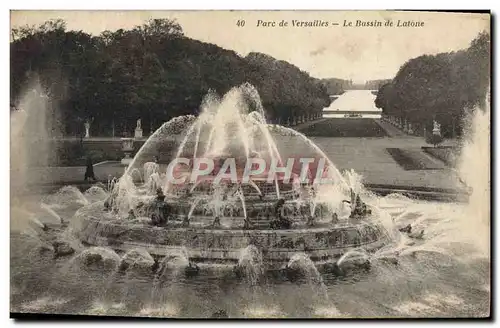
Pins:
x,y
161,210
406,229
247,223
156,265
89,171
358,207
285,223
155,219
155,159
131,215
62,249
216,222
279,221
140,206
123,266
278,207
160,196
185,221
310,221
191,270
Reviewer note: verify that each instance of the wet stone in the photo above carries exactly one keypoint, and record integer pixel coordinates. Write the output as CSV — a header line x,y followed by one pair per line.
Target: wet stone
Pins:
x,y
93,259
62,249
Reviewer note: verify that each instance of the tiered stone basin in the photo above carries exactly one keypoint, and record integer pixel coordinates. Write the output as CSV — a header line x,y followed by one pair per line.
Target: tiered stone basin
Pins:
x,y
324,242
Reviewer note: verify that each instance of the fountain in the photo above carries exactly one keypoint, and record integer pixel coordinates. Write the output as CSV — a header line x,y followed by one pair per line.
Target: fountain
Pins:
x,y
230,186
143,245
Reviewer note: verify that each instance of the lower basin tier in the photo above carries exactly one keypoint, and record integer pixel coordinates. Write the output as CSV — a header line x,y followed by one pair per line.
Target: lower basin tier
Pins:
x,y
322,244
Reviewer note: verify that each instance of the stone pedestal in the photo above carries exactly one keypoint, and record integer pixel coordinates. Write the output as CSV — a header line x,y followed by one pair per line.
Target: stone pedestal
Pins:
x,y
410,129
138,133
436,129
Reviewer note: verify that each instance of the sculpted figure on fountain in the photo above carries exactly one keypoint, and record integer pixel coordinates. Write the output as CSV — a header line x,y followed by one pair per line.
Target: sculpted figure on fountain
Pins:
x,y
185,222
216,222
131,215
310,221
279,207
279,221
358,207
247,223
161,211
335,218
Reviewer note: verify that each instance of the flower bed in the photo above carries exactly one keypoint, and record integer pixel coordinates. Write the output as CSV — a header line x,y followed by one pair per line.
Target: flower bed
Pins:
x,y
448,155
411,160
345,127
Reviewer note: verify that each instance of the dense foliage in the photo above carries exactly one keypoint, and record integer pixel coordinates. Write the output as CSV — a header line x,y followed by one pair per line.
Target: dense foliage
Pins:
x,y
443,87
376,84
152,72
337,86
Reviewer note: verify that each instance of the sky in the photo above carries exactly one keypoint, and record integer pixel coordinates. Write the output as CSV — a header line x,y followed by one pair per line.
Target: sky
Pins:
x,y
356,53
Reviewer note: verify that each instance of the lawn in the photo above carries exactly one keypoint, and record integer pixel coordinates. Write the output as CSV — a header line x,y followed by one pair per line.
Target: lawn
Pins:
x,y
345,128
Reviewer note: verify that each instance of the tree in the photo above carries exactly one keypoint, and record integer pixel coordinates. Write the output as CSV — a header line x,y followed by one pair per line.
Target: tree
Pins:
x,y
151,71
441,86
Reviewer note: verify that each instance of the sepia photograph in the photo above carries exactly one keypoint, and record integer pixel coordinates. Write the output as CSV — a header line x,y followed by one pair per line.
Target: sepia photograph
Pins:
x,y
238,164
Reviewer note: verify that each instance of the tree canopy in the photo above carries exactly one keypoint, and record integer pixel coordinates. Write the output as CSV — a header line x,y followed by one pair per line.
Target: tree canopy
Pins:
x,y
153,72
442,87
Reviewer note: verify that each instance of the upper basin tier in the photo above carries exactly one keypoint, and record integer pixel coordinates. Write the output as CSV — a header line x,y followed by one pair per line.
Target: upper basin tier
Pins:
x,y
232,128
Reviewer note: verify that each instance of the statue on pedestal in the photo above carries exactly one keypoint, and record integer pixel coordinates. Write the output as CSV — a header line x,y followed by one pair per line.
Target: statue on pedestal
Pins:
x,y
87,129
436,128
138,129
410,129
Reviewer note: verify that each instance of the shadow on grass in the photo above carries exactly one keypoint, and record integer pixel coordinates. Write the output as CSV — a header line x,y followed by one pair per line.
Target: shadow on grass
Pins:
x,y
413,160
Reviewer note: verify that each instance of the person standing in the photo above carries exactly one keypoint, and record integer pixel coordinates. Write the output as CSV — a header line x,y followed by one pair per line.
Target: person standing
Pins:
x,y
89,171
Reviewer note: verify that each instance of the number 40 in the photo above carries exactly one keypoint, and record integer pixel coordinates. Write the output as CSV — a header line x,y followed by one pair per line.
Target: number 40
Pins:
x,y
240,23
